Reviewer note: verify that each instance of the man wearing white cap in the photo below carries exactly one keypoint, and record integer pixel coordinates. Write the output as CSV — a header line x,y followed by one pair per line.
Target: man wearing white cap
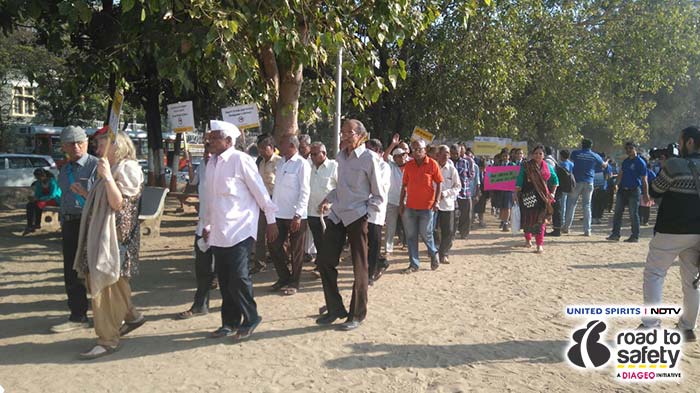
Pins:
x,y
236,194
75,179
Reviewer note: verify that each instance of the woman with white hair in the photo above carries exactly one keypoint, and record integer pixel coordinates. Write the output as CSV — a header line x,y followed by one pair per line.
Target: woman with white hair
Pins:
x,y
108,245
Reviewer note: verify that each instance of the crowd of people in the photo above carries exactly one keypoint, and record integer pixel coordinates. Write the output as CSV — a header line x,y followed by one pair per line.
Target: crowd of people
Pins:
x,y
294,204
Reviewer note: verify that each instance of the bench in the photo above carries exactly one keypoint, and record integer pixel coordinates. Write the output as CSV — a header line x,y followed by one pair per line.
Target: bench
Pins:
x,y
151,213
49,219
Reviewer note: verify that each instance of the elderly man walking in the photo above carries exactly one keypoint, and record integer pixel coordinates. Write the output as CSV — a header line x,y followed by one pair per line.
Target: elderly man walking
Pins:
x,y
445,215
235,195
357,196
75,180
267,168
324,178
291,196
422,181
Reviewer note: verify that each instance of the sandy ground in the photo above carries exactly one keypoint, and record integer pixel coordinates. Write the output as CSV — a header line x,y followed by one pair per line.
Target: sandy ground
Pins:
x,y
492,320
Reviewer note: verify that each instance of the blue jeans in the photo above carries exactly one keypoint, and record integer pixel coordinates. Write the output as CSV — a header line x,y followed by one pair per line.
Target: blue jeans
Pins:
x,y
631,199
563,198
418,222
586,191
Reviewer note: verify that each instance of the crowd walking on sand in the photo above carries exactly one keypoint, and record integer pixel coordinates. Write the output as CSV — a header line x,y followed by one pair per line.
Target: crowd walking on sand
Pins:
x,y
292,204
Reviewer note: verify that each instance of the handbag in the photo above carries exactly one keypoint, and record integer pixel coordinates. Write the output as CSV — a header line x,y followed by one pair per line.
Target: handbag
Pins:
x,y
529,199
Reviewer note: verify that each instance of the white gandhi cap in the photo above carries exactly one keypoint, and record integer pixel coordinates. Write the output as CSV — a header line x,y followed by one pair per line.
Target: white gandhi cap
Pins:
x,y
226,128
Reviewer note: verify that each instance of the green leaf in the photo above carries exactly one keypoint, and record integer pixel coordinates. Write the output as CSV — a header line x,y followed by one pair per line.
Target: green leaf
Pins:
x,y
127,5
143,14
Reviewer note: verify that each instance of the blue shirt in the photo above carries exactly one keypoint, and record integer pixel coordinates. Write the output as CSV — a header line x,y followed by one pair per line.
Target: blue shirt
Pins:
x,y
568,165
585,163
465,170
82,171
633,169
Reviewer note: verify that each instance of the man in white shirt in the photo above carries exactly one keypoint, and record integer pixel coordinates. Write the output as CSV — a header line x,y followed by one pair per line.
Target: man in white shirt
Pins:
x,y
376,221
358,195
235,195
324,178
291,196
392,212
267,167
203,261
445,217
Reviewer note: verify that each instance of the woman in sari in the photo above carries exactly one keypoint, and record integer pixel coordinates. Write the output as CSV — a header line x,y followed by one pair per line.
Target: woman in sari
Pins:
x,y
536,184
109,239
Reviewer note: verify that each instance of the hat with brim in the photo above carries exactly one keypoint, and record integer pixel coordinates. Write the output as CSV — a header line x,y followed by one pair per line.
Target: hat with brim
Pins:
x,y
72,134
398,151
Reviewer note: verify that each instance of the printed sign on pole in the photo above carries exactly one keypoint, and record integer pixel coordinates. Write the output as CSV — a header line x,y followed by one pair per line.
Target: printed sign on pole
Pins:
x,y
242,116
115,113
181,117
419,133
501,178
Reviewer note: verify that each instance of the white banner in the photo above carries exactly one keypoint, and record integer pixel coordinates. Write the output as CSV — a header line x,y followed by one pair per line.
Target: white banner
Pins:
x,y
243,116
181,117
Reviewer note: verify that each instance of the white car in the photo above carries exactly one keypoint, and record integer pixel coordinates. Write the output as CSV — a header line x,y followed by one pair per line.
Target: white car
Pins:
x,y
17,170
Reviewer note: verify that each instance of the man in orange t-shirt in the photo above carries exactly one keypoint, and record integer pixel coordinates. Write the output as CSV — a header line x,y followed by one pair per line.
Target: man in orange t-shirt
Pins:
x,y
419,197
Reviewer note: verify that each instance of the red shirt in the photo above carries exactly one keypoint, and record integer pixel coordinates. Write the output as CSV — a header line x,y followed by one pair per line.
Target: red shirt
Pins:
x,y
419,180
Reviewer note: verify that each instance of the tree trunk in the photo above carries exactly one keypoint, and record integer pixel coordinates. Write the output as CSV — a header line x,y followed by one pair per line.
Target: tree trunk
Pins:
x,y
151,105
287,106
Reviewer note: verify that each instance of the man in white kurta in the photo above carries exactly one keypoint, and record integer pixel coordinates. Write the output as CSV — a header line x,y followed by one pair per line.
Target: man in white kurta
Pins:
x,y
235,196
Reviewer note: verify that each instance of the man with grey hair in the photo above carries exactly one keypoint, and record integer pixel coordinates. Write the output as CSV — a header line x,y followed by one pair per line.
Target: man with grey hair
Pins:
x,y
291,196
357,196
304,145
444,217
75,180
324,178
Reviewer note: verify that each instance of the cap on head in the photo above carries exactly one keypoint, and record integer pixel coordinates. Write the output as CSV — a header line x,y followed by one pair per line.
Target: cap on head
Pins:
x,y
72,134
226,128
398,151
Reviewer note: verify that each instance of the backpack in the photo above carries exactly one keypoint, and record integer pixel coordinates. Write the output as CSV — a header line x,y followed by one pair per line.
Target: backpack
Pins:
x,y
567,182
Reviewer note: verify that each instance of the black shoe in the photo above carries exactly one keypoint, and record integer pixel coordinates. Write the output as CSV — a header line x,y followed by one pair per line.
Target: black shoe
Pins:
x,y
555,233
379,273
222,332
350,325
278,285
434,263
410,269
245,332
632,240
329,318
613,238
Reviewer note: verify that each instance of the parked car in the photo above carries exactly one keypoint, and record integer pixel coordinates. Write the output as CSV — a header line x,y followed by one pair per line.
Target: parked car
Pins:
x,y
17,170
182,176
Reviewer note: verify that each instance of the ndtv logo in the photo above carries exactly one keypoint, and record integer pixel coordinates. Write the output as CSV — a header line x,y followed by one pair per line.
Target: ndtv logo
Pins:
x,y
662,310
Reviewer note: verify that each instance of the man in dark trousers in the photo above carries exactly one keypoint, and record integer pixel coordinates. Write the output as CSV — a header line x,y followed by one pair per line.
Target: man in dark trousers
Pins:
x,y
356,198
75,180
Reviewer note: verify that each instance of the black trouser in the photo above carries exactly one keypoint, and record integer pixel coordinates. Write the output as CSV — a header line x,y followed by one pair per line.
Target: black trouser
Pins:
x,y
317,231
75,288
445,222
329,258
556,211
33,215
374,245
204,274
598,202
465,217
644,213
297,240
235,285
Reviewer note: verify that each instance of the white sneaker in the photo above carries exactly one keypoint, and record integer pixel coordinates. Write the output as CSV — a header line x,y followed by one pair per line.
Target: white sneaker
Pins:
x,y
69,326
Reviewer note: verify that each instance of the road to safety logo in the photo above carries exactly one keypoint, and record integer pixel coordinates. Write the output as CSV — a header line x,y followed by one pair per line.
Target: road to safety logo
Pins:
x,y
634,355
